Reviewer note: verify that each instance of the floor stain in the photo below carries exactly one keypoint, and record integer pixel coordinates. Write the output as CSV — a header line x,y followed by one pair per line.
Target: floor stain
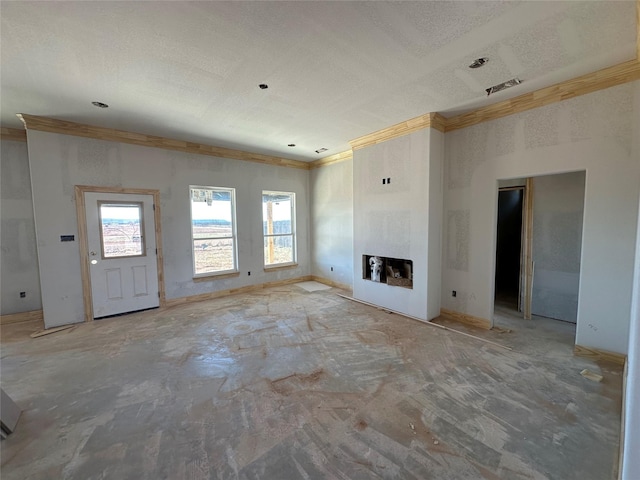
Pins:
x,y
360,425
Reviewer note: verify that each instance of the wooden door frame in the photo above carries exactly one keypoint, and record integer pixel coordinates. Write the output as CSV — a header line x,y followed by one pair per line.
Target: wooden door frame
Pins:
x,y
528,252
83,241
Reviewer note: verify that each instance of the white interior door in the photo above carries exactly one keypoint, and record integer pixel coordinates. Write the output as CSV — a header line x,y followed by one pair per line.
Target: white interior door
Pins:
x,y
122,252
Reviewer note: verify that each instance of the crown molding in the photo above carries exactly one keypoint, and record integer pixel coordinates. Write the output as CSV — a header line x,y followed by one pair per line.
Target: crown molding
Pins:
x,y
428,120
438,122
13,134
589,83
330,160
52,125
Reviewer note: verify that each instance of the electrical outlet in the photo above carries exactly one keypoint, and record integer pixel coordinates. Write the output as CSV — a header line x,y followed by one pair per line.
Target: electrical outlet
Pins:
x,y
453,293
249,274
332,269
23,294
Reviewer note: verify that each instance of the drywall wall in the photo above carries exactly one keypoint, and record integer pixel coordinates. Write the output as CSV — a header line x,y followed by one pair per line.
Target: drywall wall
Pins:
x,y
631,440
400,219
331,190
558,208
594,133
19,265
512,182
58,162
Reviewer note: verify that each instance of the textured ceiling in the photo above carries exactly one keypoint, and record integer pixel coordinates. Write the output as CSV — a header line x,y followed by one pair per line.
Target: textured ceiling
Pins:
x,y
335,70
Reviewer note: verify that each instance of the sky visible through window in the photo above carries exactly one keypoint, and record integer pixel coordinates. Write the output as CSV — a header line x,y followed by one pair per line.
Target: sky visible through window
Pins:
x,y
122,212
215,211
281,210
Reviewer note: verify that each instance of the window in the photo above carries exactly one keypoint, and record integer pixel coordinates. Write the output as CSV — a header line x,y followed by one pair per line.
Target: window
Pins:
x,y
121,228
213,230
278,213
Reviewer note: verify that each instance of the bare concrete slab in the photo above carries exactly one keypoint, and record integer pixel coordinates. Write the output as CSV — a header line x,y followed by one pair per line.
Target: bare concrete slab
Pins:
x,y
283,384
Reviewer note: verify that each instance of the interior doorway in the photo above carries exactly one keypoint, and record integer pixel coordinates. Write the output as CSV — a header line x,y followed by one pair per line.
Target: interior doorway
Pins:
x,y
538,247
508,278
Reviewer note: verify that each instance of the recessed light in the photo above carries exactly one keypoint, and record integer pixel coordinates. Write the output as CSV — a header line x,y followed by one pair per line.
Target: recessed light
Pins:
x,y
320,150
263,86
501,86
291,145
100,104
478,62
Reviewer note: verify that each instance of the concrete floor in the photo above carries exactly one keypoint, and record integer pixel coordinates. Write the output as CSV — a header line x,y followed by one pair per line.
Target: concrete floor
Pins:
x,y
290,384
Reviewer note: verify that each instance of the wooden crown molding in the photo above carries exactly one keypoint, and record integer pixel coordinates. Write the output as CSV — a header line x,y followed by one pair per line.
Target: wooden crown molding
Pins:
x,y
52,125
589,83
330,160
428,120
438,122
13,134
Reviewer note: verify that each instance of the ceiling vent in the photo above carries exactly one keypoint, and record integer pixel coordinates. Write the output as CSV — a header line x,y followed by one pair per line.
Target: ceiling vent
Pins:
x,y
502,86
320,150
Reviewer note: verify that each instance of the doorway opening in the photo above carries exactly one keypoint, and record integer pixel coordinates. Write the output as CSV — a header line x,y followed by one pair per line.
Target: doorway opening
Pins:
x,y
508,278
538,249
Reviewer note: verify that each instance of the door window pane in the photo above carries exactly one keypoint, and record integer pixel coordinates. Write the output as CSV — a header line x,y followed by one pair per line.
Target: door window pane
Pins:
x,y
121,229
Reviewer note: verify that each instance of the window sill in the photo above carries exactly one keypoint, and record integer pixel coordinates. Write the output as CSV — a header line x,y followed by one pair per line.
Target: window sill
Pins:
x,y
283,266
216,276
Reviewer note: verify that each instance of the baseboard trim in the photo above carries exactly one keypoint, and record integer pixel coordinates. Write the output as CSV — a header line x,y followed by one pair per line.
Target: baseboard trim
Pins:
x,y
22,317
623,419
599,355
331,283
466,319
172,302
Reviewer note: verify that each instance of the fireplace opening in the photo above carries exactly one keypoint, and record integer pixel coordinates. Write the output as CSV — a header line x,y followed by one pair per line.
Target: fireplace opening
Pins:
x,y
397,272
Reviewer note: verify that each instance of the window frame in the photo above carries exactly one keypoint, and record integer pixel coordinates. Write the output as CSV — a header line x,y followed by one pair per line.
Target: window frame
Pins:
x,y
233,237
293,234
